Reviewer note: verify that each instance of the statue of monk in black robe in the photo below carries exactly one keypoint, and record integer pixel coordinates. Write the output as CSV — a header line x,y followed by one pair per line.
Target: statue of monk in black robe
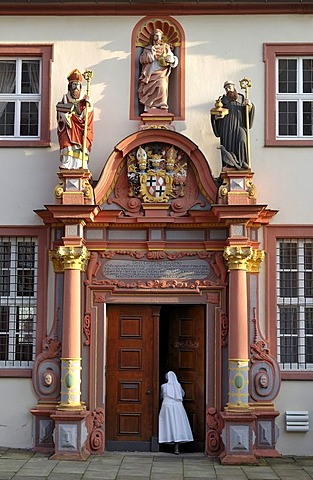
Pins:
x,y
230,126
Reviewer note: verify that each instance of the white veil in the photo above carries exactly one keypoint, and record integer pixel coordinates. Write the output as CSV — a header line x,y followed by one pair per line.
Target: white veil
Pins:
x,y
172,388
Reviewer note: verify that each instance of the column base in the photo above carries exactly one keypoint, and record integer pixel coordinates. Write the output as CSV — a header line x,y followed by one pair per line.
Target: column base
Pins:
x,y
44,427
82,456
238,459
266,431
70,435
238,437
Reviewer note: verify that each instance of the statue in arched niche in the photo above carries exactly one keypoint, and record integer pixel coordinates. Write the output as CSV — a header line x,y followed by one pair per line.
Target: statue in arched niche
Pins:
x,y
157,59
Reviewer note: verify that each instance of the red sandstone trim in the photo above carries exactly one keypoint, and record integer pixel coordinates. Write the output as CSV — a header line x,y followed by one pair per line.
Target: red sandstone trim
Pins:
x,y
180,97
270,52
45,52
42,233
271,233
217,8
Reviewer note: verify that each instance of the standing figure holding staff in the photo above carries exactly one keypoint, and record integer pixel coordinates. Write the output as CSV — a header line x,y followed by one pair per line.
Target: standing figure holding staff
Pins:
x,y
231,120
75,122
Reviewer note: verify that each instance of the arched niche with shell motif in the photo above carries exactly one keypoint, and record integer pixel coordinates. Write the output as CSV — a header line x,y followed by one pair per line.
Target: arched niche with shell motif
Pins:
x,y
174,36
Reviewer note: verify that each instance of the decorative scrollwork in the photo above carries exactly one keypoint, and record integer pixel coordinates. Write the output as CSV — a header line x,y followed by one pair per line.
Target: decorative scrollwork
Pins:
x,y
46,370
224,329
87,328
214,444
264,371
96,434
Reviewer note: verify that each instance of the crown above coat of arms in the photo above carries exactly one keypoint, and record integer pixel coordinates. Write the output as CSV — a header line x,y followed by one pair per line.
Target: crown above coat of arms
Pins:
x,y
156,173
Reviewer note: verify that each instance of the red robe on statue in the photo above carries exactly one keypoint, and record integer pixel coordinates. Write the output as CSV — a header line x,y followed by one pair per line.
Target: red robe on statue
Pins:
x,y
71,136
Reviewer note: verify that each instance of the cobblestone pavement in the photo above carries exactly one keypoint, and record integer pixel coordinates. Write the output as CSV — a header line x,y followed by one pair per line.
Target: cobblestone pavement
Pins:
x,y
25,464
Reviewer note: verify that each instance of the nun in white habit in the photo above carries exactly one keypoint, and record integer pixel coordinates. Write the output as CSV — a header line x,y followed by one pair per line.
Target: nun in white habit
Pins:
x,y
173,421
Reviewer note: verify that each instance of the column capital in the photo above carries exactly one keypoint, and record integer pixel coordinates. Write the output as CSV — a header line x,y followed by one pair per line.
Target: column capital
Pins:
x,y
69,258
237,256
254,263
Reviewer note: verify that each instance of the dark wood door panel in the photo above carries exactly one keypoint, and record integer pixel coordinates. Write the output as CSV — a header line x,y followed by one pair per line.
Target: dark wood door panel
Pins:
x,y
129,374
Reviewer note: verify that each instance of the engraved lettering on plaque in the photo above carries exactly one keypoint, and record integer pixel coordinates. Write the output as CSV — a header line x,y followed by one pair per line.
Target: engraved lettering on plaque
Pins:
x,y
160,270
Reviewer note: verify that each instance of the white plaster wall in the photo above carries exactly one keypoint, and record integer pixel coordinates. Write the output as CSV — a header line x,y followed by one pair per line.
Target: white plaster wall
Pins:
x,y
217,48
295,395
16,421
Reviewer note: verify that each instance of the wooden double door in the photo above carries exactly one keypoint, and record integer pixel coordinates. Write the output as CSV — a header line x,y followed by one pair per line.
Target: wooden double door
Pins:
x,y
143,343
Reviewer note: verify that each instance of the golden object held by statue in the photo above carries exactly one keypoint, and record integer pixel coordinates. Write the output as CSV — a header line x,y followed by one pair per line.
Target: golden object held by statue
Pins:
x,y
219,111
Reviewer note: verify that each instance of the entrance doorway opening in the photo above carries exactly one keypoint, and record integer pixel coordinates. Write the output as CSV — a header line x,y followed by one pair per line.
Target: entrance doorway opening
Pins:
x,y
143,343
182,350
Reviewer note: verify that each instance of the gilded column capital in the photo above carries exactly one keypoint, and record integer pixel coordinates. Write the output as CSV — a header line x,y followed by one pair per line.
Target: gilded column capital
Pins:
x,y
254,263
237,256
69,258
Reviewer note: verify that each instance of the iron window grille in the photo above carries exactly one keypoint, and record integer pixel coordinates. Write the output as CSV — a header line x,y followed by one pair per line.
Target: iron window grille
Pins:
x,y
18,301
295,303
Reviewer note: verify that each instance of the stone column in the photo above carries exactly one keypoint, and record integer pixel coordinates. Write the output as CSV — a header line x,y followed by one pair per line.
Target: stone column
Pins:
x,y
70,427
239,421
238,354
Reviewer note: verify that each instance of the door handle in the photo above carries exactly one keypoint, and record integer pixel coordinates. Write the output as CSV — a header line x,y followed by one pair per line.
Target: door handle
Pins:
x,y
148,392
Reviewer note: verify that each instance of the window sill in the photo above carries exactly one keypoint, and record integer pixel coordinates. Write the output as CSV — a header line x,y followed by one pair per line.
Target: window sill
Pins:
x,y
288,143
296,375
25,143
16,372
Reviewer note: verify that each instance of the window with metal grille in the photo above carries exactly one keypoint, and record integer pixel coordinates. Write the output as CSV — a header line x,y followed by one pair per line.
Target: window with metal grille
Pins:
x,y
295,303
18,301
295,97
20,97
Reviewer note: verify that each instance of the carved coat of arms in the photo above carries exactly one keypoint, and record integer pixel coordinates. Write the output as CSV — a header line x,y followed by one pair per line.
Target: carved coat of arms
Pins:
x,y
156,174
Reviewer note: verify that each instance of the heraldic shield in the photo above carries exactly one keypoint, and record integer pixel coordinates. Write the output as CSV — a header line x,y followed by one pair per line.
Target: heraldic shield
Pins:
x,y
156,174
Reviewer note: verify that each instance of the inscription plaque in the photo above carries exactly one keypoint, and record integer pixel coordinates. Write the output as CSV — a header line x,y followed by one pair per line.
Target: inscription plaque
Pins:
x,y
159,270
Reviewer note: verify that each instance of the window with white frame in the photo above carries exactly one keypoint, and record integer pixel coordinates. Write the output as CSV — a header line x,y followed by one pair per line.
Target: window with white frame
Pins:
x,y
20,97
25,76
294,259
18,301
295,97
288,94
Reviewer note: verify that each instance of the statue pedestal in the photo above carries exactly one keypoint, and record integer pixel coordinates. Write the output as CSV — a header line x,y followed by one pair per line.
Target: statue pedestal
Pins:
x,y
74,187
157,118
237,188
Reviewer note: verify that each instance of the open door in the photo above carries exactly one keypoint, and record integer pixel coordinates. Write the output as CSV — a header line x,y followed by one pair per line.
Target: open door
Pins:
x,y
144,341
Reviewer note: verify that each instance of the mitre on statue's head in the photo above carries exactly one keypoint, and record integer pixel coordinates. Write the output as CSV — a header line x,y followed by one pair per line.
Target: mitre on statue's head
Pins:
x,y
75,76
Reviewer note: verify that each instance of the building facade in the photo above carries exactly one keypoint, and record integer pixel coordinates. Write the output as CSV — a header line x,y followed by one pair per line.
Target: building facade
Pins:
x,y
182,240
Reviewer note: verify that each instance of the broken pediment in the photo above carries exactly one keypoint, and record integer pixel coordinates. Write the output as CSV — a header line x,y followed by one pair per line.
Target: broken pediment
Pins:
x,y
156,171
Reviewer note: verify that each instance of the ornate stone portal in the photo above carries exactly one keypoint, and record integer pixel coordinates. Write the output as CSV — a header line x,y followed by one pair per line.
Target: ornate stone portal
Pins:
x,y
158,229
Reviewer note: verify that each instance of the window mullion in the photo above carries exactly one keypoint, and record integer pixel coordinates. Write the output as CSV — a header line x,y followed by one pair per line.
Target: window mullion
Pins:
x,y
300,92
17,117
18,76
12,335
